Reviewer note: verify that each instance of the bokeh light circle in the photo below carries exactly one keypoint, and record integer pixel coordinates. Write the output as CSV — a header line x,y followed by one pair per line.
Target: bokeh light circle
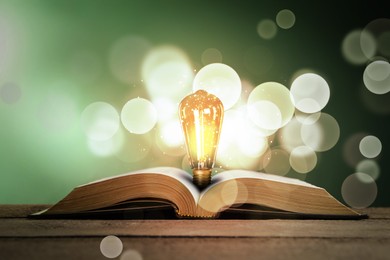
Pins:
x,y
167,73
211,55
303,159
267,29
384,43
276,161
107,147
378,28
289,136
131,254
311,92
306,118
167,110
250,141
369,167
170,138
139,116
111,246
370,146
359,190
321,135
270,105
240,144
270,118
229,192
351,152
378,70
126,57
58,113
100,121
352,49
220,80
285,19
376,77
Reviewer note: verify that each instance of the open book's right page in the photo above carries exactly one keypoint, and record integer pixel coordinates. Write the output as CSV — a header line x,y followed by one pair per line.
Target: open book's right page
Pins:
x,y
234,187
235,174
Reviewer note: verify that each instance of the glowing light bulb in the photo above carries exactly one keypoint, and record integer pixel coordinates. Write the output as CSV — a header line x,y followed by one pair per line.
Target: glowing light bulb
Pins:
x,y
201,116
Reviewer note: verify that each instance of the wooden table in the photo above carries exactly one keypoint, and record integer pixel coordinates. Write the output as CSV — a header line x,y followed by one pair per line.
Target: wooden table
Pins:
x,y
22,238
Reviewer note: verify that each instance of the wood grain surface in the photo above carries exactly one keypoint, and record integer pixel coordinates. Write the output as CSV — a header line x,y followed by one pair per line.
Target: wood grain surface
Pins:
x,y
23,238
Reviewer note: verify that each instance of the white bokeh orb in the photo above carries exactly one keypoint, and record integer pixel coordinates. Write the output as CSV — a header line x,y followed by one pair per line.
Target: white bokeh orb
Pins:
x,y
322,135
370,146
270,105
111,246
220,80
376,77
311,92
100,121
139,116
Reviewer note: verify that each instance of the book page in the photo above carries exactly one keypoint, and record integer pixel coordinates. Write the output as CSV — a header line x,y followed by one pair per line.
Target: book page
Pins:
x,y
224,190
235,174
173,172
237,187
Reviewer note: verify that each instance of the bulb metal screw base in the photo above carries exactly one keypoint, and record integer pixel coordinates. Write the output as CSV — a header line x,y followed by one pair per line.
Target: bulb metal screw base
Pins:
x,y
201,177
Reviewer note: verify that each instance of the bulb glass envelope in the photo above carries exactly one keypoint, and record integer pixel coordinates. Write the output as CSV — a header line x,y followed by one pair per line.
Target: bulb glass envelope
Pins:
x,y
201,116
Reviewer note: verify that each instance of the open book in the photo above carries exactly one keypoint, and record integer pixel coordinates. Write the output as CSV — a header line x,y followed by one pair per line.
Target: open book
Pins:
x,y
231,192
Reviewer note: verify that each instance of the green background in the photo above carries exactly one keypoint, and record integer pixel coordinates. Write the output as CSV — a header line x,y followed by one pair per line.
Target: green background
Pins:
x,y
41,165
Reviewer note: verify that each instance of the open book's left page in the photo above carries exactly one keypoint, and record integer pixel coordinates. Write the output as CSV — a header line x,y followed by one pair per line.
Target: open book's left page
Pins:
x,y
178,174
161,183
173,172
